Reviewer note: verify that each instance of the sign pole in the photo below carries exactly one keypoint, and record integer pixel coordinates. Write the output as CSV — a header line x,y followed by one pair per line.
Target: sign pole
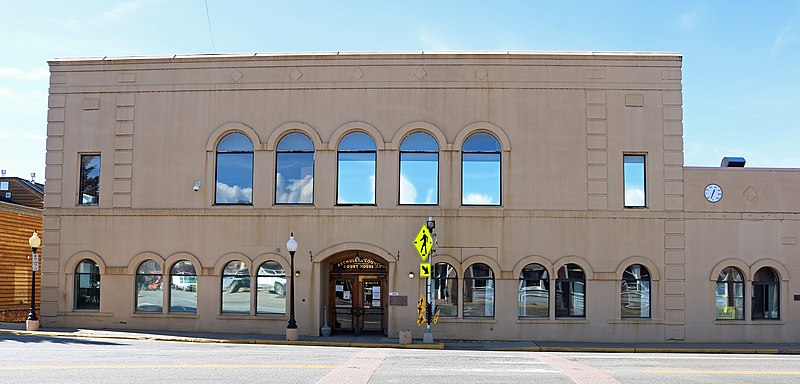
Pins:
x,y
427,338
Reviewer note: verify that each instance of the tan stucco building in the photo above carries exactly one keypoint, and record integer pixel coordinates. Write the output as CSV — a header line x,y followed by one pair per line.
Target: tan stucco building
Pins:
x,y
562,205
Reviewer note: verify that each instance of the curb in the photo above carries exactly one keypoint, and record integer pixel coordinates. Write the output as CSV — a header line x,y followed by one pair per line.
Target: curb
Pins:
x,y
435,346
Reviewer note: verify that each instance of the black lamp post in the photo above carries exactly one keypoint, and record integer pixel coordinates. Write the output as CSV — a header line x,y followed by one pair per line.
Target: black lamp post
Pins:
x,y
34,242
291,246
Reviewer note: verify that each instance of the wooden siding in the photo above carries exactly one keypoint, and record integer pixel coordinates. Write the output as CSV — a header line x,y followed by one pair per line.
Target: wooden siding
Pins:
x,y
17,224
22,193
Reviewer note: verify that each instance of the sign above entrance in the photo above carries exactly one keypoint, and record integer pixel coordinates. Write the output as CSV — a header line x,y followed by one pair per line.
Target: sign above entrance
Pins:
x,y
423,242
358,263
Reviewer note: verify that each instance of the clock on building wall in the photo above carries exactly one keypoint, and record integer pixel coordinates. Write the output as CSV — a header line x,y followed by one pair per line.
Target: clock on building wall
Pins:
x,y
713,193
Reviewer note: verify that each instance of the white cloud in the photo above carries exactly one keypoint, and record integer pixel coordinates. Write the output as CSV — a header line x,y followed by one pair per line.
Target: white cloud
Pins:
x,y
688,20
298,191
477,199
433,41
121,10
408,192
31,136
430,196
784,38
634,197
235,194
22,74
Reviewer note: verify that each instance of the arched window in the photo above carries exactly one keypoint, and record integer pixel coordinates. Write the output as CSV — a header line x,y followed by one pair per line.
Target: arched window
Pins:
x,y
294,170
570,291
149,287
183,287
730,294
635,295
478,291
480,170
234,179
766,295
444,288
356,177
271,288
87,285
419,170
236,288
534,292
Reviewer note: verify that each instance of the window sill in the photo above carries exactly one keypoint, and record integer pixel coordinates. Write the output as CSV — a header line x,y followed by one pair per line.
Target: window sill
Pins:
x,y
751,322
260,316
560,320
486,320
637,321
163,315
86,312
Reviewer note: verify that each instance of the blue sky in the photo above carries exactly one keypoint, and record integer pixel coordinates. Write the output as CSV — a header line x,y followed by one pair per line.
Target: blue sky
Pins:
x,y
741,64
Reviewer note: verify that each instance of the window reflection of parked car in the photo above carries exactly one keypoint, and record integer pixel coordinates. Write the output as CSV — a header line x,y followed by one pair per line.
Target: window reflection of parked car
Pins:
x,y
233,283
185,283
272,280
268,279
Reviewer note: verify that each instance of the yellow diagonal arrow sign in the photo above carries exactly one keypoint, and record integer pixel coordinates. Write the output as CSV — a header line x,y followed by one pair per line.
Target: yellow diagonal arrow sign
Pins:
x,y
424,270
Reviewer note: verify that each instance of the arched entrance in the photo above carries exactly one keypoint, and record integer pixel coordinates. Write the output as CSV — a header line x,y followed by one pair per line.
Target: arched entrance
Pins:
x,y
357,293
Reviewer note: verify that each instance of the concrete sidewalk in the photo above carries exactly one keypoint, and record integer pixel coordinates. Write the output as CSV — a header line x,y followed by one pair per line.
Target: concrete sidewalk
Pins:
x,y
378,341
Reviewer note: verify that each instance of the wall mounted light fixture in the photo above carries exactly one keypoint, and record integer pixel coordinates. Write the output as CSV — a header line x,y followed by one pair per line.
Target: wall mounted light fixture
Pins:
x,y
411,275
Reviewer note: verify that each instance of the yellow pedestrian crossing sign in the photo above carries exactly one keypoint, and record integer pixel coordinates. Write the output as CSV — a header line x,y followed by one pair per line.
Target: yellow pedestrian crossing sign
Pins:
x,y
423,242
424,269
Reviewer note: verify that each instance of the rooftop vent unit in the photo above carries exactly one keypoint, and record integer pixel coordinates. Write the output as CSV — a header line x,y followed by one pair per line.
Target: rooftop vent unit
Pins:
x,y
730,162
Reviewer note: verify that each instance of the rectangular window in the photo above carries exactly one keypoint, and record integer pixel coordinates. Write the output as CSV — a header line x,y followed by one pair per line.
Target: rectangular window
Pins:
x,y
634,177
89,191
3,185
419,178
480,179
356,179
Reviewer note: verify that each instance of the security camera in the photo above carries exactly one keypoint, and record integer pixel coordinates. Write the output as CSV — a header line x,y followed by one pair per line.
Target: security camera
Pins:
x,y
196,186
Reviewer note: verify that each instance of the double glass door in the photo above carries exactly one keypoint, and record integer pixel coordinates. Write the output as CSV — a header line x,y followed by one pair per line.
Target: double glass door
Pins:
x,y
358,303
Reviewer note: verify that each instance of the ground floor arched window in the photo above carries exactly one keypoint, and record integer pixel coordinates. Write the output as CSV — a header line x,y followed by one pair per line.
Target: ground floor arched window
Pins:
x,y
149,287
534,292
87,285
183,287
570,291
271,291
766,295
635,292
444,288
730,294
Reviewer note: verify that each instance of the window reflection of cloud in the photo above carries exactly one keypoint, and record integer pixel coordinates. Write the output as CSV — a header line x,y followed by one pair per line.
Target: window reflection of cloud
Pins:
x,y
634,197
233,194
296,191
408,192
430,198
478,199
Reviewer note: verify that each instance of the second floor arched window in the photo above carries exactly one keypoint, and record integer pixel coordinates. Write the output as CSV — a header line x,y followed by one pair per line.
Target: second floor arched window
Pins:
x,y
356,170
480,170
234,175
294,170
419,170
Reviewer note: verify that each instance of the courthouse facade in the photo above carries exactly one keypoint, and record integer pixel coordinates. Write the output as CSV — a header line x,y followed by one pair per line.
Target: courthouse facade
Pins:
x,y
562,207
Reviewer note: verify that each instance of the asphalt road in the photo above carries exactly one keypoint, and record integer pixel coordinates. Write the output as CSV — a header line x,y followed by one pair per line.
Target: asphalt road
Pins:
x,y
34,359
